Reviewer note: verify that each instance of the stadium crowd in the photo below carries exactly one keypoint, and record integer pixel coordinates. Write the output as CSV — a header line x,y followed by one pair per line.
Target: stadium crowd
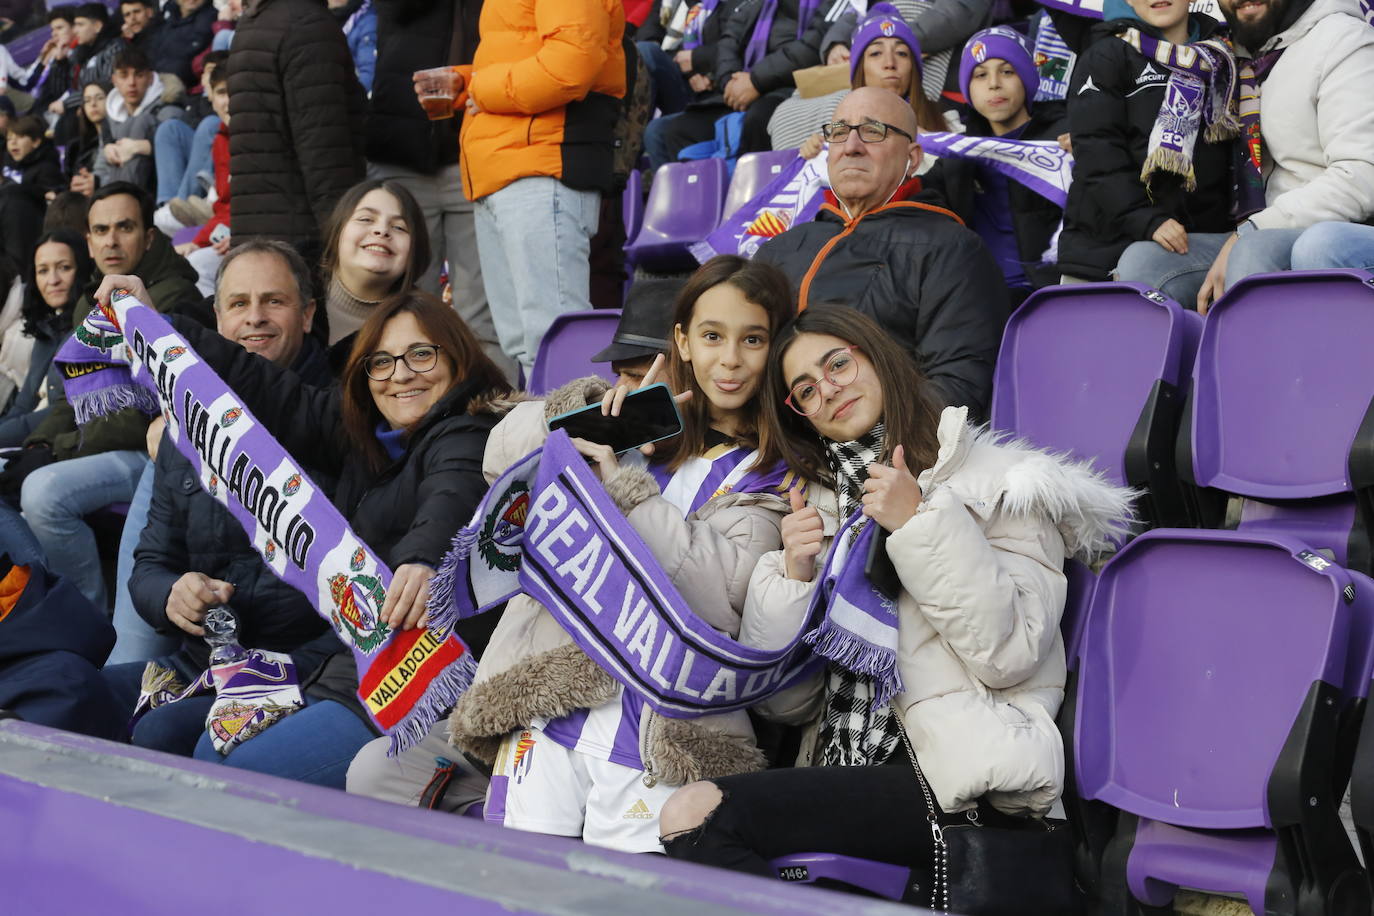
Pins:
x,y
370,254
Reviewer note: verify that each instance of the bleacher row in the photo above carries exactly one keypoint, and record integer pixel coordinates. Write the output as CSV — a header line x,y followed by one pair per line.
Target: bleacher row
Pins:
x,y
1220,662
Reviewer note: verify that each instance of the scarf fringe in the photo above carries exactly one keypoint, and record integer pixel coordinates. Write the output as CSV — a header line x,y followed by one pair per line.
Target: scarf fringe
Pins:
x,y
108,400
834,642
1225,126
439,697
1169,160
441,610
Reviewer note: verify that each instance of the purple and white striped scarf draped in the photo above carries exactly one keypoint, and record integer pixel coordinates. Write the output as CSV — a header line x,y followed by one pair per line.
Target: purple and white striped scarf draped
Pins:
x,y
697,14
757,47
548,529
131,356
1041,165
790,199
723,469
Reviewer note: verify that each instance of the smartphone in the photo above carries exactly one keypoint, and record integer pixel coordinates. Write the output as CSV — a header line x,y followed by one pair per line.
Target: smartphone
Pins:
x,y
878,568
647,415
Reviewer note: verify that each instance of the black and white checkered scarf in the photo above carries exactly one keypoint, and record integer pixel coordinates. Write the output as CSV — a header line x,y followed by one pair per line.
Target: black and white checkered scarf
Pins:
x,y
853,733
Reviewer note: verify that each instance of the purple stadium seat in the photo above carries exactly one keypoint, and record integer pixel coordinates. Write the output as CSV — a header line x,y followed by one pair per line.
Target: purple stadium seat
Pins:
x,y
684,206
1215,671
568,346
1060,385
753,172
632,205
185,234
878,878
1281,411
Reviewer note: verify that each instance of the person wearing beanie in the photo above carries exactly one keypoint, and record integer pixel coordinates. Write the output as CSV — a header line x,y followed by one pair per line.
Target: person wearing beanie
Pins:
x,y
884,52
1151,194
998,77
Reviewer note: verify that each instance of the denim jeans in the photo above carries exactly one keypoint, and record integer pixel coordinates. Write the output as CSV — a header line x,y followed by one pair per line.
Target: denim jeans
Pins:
x,y
453,238
56,499
534,240
173,728
135,640
17,540
314,745
182,154
1178,276
671,92
1332,245
1265,251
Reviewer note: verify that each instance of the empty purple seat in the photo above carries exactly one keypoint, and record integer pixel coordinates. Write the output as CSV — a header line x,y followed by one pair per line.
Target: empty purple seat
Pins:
x,y
185,234
684,206
881,879
566,350
753,172
632,205
1214,674
1101,370
1281,408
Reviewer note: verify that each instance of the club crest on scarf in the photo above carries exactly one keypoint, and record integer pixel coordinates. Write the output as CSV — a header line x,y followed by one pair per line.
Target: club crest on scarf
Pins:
x,y
504,528
98,339
357,600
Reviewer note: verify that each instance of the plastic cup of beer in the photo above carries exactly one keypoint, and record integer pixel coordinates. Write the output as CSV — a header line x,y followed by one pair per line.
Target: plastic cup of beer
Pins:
x,y
437,88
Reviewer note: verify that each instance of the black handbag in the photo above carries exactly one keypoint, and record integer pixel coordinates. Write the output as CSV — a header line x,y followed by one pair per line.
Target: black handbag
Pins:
x,y
979,870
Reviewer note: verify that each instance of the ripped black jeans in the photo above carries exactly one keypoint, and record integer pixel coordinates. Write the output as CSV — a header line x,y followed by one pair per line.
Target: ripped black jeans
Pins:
x,y
875,812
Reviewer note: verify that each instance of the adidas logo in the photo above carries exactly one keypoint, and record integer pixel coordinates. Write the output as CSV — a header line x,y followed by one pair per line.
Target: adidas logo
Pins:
x,y
638,812
1088,86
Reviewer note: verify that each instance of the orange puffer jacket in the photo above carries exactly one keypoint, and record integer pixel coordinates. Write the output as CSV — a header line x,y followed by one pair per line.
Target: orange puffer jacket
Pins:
x,y
548,78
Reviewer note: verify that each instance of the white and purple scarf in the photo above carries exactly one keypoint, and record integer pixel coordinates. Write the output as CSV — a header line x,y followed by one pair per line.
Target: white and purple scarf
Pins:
x,y
1040,165
408,678
548,529
1201,94
790,199
757,47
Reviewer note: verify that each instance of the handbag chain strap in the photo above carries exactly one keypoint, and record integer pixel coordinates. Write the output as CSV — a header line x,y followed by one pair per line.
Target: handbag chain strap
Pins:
x,y
939,894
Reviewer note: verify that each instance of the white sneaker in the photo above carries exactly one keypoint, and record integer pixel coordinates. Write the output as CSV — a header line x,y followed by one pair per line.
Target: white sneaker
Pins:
x,y
164,220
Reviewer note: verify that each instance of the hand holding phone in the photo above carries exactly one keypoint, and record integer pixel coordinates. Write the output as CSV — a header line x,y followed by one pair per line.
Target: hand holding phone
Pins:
x,y
644,416
614,398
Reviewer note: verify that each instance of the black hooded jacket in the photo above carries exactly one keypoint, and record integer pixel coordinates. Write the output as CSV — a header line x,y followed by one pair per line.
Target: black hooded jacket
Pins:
x,y
1033,218
785,52
1114,99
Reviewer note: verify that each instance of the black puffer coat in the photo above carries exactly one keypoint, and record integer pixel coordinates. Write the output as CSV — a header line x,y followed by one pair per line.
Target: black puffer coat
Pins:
x,y
785,54
1033,218
189,530
407,513
298,113
1114,98
416,35
913,268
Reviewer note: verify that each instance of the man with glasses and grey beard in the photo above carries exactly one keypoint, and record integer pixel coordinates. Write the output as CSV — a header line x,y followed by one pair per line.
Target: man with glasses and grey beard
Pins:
x,y
914,267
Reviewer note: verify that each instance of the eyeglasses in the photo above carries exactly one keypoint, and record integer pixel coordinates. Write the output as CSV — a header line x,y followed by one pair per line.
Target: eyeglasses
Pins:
x,y
840,371
417,357
870,131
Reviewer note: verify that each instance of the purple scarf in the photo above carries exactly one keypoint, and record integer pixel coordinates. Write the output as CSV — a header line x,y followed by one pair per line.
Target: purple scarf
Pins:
x,y
792,198
696,21
1040,165
1249,163
757,47
408,678
585,563
1088,9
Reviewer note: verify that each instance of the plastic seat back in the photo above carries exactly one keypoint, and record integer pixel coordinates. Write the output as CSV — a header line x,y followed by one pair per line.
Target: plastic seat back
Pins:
x,y
753,172
1100,370
632,205
684,206
878,878
566,350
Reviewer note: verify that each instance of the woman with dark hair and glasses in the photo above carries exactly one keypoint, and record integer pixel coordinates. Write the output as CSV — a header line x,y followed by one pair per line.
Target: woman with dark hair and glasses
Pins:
x,y
402,437
976,533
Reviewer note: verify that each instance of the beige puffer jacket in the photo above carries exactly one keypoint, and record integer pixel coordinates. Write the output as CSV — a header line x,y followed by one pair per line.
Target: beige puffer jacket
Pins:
x,y
979,648
532,669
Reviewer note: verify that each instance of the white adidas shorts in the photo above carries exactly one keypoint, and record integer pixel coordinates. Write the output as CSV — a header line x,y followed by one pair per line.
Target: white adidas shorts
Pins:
x,y
540,786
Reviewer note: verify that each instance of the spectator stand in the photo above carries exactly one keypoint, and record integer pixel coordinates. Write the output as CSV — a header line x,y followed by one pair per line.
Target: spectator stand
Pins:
x,y
685,204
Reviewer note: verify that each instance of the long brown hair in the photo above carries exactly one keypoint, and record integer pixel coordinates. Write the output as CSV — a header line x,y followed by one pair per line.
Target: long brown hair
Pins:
x,y
910,413
761,284
456,344
418,261
928,114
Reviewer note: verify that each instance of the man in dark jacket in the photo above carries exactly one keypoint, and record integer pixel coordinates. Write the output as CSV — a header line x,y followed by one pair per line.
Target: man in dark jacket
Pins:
x,y
403,144
171,40
193,554
98,40
913,267
66,473
298,113
754,79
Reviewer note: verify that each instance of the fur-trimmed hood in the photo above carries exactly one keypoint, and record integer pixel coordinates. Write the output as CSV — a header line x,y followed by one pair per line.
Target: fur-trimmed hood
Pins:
x,y
995,470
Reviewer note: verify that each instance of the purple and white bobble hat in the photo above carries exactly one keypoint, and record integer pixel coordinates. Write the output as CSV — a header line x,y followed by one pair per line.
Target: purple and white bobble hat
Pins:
x,y
1003,43
882,21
